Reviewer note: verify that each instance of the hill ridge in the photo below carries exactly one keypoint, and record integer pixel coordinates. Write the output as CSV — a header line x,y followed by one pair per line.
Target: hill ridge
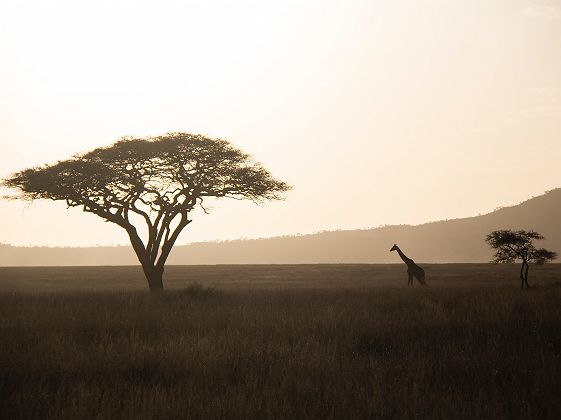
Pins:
x,y
451,240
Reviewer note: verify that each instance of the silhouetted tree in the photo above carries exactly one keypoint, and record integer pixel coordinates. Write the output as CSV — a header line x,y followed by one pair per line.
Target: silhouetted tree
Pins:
x,y
153,182
518,245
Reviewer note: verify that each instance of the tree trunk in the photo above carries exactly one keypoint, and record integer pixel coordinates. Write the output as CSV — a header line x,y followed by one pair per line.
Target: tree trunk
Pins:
x,y
155,282
524,275
154,277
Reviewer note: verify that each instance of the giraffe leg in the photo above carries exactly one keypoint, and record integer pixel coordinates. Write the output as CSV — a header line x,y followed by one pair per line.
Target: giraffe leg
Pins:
x,y
410,281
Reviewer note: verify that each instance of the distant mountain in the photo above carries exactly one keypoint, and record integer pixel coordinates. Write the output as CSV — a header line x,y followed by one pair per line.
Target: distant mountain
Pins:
x,y
457,240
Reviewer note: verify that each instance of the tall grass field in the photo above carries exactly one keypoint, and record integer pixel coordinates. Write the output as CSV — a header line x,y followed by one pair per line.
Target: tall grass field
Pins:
x,y
280,342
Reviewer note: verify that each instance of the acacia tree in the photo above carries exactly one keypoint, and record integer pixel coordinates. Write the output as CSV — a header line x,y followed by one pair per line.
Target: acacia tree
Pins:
x,y
518,245
153,182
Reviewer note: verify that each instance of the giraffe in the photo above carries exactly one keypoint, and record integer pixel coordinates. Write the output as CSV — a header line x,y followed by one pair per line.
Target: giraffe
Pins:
x,y
413,270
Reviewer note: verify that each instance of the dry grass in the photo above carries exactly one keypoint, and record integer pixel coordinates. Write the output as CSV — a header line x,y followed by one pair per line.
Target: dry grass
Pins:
x,y
280,342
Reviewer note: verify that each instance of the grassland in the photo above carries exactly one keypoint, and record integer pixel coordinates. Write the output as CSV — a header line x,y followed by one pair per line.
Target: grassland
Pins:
x,y
318,341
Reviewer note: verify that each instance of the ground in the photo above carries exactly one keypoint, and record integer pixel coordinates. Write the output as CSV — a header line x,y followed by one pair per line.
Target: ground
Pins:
x,y
300,341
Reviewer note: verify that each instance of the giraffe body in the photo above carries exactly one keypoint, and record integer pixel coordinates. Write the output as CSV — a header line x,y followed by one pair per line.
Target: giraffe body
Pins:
x,y
413,270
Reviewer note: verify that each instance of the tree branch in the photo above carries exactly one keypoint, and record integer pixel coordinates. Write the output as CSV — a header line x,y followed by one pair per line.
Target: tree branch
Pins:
x,y
170,241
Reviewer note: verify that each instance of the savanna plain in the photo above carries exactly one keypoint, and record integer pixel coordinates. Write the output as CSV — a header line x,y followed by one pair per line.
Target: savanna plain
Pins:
x,y
281,341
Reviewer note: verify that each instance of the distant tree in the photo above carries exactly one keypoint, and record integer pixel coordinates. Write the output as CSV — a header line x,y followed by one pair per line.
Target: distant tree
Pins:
x,y
153,182
518,245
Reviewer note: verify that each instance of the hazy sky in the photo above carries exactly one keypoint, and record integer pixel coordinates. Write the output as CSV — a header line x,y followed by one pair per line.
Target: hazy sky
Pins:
x,y
377,112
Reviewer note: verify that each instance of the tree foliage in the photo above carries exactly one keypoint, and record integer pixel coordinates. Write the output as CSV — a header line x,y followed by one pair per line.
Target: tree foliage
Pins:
x,y
512,246
159,180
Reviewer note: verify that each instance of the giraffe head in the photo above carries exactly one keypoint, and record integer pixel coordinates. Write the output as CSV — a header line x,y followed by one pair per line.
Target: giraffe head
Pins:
x,y
394,248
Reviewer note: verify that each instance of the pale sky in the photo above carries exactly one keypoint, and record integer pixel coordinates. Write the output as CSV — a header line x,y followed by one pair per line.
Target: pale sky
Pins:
x,y
377,112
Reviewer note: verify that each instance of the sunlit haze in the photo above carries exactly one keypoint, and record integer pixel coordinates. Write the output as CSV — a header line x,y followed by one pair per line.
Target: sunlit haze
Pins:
x,y
376,112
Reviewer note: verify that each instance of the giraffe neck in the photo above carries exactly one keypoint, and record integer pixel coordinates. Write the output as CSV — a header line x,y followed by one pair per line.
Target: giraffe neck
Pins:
x,y
403,256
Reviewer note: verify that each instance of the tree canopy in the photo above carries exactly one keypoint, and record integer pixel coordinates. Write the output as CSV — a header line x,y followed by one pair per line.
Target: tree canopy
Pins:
x,y
517,245
159,180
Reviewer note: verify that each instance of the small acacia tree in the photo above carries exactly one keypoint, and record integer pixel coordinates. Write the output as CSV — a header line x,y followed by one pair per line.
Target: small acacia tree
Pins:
x,y
155,182
511,246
